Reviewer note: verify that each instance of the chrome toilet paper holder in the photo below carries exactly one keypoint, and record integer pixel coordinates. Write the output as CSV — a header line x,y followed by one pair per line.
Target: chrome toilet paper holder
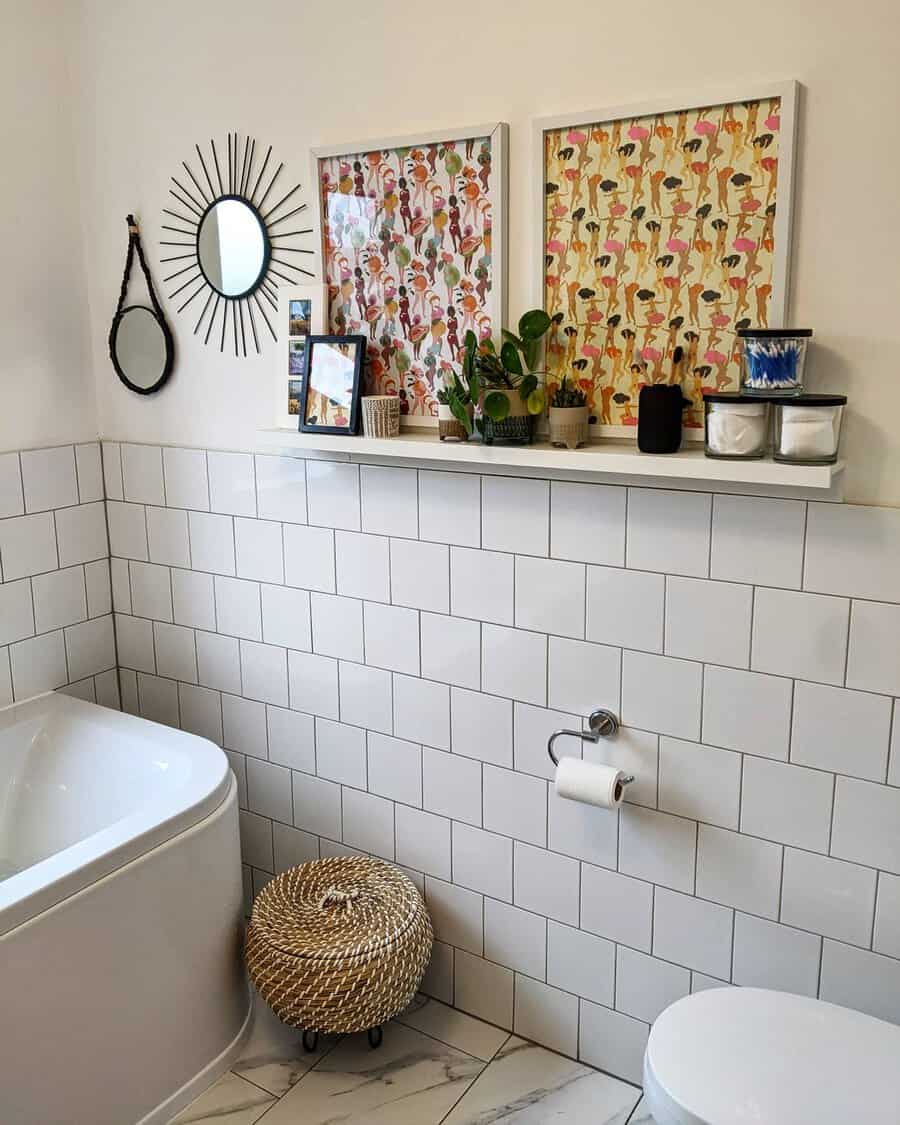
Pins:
x,y
601,724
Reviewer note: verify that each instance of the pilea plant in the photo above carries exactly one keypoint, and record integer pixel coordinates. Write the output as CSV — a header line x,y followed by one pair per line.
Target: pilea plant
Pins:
x,y
565,395
513,369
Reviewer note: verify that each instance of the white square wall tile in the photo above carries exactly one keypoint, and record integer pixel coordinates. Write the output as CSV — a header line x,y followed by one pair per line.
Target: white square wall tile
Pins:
x,y
739,871
269,790
285,617
98,587
365,695
258,550
201,712
515,515
90,647
238,611
212,542
457,915
854,978
337,627
11,500
546,1015
583,676
389,500
332,494
142,472
422,711
657,847
187,485
313,684
450,508
420,575
17,618
159,701
894,759
28,545
423,841
625,607
341,753
281,488
362,565
37,665
48,478
451,650
587,523
89,471
309,557
232,483
481,585
867,824
127,530
700,782
6,691
514,664
873,659
580,963
661,694
612,1041
395,769
134,641
391,637
120,580
515,805
368,823
218,661
256,841
264,673
515,938
853,550
532,727
451,786
176,656
483,989
828,897
292,739
790,804
708,621
747,711
317,805
546,883
581,830
482,861
692,932
111,455
167,537
668,531
758,540
292,847
59,599
646,986
151,591
244,726
550,596
802,635
481,726
844,731
887,916
767,955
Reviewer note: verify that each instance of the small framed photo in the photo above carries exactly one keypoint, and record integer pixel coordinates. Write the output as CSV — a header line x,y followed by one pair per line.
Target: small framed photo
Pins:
x,y
301,314
329,396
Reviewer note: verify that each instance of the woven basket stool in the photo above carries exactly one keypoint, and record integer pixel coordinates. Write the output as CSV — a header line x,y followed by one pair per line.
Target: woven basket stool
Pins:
x,y
338,945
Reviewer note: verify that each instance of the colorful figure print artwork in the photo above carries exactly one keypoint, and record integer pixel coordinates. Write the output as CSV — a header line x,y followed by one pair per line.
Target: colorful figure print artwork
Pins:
x,y
660,230
329,399
301,313
410,233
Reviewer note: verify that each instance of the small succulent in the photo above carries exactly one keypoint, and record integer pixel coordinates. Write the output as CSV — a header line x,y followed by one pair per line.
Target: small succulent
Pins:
x,y
566,395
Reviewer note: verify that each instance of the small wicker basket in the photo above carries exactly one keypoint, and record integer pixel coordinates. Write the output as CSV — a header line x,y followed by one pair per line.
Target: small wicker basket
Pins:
x,y
381,415
338,945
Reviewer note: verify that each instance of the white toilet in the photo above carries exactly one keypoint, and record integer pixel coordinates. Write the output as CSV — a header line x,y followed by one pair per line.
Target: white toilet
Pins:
x,y
748,1056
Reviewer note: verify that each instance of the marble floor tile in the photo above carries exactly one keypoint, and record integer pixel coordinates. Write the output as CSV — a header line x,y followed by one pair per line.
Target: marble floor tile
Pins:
x,y
453,1027
641,1115
231,1101
411,1079
274,1057
529,1085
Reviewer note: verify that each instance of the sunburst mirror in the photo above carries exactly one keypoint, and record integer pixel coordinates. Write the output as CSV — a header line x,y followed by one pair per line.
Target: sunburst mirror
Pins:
x,y
233,242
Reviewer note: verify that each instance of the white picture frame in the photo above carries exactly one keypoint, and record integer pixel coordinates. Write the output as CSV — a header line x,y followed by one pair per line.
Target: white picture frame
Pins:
x,y
314,293
498,133
788,91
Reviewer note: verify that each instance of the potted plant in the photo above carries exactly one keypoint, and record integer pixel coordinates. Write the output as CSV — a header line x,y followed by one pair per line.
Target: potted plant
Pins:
x,y
569,416
512,393
457,398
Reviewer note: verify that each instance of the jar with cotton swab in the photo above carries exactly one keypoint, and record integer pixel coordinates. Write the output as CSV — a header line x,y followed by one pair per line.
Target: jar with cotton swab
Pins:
x,y
773,360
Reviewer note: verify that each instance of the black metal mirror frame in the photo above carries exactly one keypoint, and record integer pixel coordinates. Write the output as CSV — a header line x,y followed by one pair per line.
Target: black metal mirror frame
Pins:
x,y
134,244
195,204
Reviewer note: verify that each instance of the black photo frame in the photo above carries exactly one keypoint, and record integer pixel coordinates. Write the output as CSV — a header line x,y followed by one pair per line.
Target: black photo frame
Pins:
x,y
336,412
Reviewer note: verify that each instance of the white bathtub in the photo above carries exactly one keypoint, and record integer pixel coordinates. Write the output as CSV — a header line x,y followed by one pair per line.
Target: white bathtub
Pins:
x,y
121,988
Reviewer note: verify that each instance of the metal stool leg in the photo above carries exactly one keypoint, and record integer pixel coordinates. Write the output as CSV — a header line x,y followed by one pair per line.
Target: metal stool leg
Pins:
x,y
310,1040
376,1035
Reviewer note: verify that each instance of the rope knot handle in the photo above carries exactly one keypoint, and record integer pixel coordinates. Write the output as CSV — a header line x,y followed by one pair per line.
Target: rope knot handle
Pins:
x,y
334,896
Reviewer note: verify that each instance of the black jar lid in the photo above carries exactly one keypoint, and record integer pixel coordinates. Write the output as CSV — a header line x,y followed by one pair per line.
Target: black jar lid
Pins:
x,y
737,396
773,333
809,400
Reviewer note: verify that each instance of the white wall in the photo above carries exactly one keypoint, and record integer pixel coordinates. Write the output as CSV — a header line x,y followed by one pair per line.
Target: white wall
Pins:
x,y
45,374
158,77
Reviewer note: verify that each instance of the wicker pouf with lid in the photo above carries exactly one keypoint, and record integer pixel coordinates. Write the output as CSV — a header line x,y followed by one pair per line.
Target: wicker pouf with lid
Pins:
x,y
338,945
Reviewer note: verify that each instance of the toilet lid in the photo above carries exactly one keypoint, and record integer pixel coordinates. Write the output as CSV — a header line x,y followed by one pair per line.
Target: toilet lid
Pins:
x,y
748,1056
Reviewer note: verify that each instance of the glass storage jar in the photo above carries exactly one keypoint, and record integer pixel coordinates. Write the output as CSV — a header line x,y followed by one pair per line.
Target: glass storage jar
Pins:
x,y
736,426
808,429
773,360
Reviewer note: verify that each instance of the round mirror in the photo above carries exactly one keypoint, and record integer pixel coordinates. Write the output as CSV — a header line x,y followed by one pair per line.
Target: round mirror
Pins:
x,y
232,247
141,349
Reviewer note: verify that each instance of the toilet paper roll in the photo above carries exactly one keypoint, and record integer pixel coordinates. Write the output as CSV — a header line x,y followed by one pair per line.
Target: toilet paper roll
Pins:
x,y
590,783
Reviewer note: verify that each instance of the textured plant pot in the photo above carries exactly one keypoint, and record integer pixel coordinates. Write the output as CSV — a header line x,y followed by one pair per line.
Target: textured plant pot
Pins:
x,y
449,426
381,415
569,426
517,428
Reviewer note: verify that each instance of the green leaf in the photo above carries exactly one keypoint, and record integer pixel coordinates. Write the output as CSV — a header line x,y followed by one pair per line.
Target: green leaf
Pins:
x,y
512,337
533,324
535,402
474,386
532,351
488,346
471,341
496,406
509,356
528,386
460,413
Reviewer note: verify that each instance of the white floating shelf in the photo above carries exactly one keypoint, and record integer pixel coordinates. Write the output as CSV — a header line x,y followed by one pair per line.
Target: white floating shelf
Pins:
x,y
618,461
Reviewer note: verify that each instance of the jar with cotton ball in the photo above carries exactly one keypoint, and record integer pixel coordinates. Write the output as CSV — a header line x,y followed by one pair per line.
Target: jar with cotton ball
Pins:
x,y
736,426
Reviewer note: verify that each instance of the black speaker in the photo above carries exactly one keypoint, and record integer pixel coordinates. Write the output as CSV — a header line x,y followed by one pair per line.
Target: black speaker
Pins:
x,y
660,407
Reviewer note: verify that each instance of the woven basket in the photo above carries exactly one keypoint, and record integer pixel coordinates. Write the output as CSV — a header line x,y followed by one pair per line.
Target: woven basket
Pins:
x,y
338,945
381,415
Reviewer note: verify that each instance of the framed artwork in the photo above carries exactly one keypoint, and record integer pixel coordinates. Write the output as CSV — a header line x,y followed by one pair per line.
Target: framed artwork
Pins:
x,y
301,313
663,224
413,253
330,388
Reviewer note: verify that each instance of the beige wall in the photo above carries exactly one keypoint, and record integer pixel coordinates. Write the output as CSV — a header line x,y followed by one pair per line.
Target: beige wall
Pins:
x,y
158,77
45,374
